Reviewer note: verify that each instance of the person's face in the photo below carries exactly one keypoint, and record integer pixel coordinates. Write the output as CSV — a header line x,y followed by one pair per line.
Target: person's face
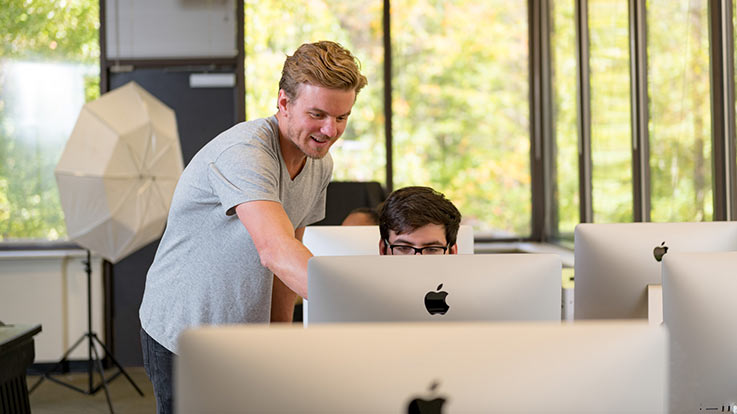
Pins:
x,y
427,235
316,118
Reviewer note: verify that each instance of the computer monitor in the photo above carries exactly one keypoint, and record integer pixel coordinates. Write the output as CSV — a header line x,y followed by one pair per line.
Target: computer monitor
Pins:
x,y
480,287
591,367
614,263
699,310
363,240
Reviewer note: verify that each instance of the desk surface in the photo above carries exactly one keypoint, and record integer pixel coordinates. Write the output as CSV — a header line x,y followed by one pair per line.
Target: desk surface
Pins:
x,y
12,335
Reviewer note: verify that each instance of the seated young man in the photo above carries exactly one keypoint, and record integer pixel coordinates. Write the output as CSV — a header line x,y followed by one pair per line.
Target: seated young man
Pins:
x,y
418,220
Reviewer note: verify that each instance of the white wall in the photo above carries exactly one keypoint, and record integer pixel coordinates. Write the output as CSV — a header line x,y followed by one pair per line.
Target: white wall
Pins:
x,y
50,288
144,29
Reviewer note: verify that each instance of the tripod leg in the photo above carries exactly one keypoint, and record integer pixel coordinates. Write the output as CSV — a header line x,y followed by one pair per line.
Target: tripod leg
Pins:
x,y
58,364
120,367
102,377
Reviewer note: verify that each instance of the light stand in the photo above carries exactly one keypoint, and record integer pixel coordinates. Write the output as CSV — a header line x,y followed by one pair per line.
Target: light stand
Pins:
x,y
91,349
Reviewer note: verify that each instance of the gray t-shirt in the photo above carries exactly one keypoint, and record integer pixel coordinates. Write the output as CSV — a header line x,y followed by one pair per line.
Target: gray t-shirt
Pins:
x,y
207,269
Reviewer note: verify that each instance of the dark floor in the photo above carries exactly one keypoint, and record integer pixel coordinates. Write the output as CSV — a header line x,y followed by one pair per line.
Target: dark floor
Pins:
x,y
51,397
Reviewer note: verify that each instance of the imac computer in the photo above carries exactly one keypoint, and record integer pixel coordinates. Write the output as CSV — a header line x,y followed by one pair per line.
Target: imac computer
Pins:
x,y
363,240
699,291
588,367
480,287
615,263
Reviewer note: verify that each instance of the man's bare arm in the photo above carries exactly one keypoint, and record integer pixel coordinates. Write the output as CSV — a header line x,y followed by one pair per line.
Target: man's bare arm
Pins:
x,y
283,298
275,241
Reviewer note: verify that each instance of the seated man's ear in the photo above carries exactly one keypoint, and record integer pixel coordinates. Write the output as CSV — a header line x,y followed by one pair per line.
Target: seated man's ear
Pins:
x,y
382,248
453,249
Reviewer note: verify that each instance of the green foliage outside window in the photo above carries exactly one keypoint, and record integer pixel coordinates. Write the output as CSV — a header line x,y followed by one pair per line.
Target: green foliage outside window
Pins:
x,y
275,28
680,111
565,129
42,40
461,107
459,95
611,131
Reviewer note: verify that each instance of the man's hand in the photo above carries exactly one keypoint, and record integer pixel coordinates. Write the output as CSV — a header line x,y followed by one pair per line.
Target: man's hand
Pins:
x,y
275,241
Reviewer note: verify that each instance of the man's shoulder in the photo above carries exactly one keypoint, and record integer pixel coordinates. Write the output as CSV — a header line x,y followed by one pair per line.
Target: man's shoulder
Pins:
x,y
260,134
262,129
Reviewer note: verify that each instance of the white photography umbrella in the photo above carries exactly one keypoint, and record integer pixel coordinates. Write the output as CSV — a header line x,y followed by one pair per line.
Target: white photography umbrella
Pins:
x,y
118,171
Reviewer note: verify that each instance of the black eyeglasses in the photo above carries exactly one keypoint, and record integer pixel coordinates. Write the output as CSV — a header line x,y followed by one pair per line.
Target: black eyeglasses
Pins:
x,y
404,250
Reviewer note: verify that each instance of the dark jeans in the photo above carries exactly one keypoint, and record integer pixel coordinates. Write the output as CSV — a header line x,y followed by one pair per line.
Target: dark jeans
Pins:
x,y
158,362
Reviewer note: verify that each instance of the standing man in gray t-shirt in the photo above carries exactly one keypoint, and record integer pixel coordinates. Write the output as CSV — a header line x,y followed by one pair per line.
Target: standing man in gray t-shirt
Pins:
x,y
232,250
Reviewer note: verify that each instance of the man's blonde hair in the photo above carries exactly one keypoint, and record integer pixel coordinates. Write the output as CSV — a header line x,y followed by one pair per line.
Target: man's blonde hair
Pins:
x,y
323,63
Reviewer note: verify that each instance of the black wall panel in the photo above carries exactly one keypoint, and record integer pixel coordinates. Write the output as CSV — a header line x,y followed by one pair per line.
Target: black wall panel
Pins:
x,y
201,113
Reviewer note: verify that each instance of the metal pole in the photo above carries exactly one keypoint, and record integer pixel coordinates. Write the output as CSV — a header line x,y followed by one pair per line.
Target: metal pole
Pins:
x,y
88,269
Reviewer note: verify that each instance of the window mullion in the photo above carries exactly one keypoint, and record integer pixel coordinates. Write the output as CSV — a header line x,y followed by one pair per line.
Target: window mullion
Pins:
x,y
721,65
583,101
639,111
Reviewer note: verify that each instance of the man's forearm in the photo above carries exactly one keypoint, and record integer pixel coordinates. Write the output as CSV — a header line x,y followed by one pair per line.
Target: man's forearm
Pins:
x,y
289,263
278,248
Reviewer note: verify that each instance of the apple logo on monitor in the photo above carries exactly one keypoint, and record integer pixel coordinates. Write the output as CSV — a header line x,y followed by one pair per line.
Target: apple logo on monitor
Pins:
x,y
660,251
431,405
435,301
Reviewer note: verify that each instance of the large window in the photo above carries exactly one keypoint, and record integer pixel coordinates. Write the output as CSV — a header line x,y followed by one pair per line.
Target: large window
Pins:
x,y
460,101
461,107
680,117
48,69
679,166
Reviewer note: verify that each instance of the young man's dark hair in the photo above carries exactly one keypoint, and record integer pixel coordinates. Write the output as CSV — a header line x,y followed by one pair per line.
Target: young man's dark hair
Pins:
x,y
411,208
